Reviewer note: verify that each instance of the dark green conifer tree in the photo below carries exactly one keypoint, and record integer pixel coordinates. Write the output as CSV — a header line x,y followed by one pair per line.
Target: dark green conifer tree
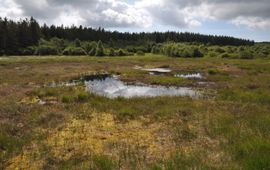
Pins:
x,y
100,49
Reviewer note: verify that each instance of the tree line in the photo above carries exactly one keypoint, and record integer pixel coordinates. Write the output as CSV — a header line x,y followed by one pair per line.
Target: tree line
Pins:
x,y
18,35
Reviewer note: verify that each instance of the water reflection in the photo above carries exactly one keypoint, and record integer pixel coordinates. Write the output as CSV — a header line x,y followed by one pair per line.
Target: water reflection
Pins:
x,y
158,70
190,76
112,88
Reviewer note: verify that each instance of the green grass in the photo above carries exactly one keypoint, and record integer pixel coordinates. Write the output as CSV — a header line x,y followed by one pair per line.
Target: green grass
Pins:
x,y
229,130
169,80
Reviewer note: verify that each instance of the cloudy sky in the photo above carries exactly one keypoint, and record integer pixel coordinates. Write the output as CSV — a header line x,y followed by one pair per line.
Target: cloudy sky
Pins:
x,y
241,18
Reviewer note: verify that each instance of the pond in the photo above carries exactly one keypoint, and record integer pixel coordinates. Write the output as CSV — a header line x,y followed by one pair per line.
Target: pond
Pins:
x,y
158,70
112,87
190,76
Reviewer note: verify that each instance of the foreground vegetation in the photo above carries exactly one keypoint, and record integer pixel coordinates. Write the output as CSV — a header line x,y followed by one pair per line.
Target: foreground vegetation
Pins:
x,y
227,129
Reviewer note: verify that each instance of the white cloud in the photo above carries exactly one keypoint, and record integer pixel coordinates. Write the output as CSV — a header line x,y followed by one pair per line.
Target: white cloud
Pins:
x,y
9,9
252,22
253,14
130,17
69,17
141,13
167,13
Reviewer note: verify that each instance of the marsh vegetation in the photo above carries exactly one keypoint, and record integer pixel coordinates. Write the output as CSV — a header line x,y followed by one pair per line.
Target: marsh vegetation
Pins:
x,y
228,128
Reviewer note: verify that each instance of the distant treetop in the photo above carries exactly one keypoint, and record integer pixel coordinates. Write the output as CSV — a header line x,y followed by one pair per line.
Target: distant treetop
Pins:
x,y
27,32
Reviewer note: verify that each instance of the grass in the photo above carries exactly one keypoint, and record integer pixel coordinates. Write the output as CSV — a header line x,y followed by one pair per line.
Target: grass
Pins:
x,y
160,80
79,130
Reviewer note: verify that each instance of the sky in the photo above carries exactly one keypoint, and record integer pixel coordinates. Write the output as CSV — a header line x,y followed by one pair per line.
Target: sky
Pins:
x,y
249,19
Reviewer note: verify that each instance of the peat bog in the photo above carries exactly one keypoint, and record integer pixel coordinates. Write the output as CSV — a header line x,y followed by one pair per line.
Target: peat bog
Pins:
x,y
100,121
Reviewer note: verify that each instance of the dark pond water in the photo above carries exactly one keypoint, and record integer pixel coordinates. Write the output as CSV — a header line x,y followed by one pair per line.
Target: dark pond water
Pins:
x,y
112,87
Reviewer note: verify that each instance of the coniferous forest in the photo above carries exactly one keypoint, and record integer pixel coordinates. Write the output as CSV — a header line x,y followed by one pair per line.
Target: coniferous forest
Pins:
x,y
17,37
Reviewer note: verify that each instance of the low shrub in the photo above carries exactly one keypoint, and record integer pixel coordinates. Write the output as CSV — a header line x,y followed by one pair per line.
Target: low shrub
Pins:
x,y
197,53
246,55
121,53
186,53
28,51
220,50
140,53
212,54
74,51
100,51
156,49
225,55
47,50
112,52
92,52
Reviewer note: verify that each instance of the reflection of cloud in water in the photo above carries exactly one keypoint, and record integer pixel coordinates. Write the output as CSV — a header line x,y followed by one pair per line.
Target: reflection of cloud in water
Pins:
x,y
158,70
194,75
112,88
